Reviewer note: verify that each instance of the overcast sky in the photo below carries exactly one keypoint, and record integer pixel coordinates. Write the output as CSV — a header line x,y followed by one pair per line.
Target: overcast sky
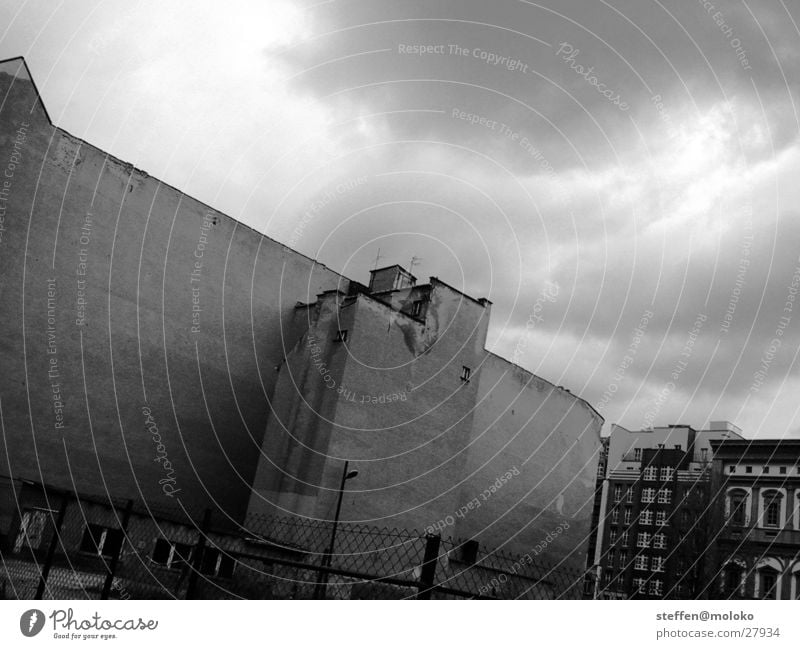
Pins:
x,y
591,167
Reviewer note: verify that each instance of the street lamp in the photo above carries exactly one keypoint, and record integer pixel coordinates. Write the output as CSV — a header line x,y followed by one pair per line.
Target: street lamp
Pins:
x,y
326,560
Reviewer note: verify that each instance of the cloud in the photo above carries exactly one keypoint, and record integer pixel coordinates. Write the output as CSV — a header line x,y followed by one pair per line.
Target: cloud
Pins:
x,y
485,139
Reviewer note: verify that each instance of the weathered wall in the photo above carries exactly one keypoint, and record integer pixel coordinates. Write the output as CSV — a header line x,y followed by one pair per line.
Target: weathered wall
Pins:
x,y
422,460
123,260
551,438
402,414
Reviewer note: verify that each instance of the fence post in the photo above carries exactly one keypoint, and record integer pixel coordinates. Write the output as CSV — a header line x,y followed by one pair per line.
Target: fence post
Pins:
x,y
197,556
427,577
126,516
54,541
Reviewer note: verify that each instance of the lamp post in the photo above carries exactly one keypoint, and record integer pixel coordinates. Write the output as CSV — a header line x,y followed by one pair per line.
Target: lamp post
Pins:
x,y
326,560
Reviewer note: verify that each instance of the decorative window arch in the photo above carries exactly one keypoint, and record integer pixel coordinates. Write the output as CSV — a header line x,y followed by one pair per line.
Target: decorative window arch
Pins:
x,y
734,576
769,579
772,507
794,575
738,505
796,509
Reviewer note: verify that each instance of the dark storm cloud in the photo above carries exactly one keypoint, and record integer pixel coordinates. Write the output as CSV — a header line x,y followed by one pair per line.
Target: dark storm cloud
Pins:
x,y
642,197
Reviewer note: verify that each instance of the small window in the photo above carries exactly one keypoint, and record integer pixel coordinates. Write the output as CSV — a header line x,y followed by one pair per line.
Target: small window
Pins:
x,y
102,541
782,470
731,469
170,554
766,469
216,564
748,469
465,373
677,447
341,336
637,455
416,308
32,529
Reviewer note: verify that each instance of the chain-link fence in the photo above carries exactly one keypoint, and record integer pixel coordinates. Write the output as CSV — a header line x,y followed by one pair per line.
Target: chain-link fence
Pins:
x,y
62,546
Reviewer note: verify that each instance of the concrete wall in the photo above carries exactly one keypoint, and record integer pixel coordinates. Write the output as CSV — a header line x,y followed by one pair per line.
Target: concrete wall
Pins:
x,y
551,438
402,413
103,355
506,458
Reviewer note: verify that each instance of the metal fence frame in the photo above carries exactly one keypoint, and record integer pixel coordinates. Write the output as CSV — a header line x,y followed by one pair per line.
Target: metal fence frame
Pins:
x,y
275,557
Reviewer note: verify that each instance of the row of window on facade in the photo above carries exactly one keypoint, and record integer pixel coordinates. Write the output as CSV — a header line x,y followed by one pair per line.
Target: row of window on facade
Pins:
x,y
637,452
649,495
641,585
646,517
766,469
766,580
107,542
772,507
652,473
643,539
641,561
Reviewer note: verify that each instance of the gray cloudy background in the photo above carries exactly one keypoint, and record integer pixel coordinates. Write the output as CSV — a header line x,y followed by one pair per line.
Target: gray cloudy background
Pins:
x,y
686,203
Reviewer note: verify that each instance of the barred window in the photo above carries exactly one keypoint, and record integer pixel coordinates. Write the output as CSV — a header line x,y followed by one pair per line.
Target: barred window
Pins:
x,y
102,541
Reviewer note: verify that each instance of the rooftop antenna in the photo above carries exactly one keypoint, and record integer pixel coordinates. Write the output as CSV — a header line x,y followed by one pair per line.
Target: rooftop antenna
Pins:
x,y
378,257
414,262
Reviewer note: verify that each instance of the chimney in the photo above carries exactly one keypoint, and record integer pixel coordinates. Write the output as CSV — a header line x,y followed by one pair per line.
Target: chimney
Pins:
x,y
390,278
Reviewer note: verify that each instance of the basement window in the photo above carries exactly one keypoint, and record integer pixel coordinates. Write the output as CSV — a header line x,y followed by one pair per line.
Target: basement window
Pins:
x,y
170,554
101,541
341,336
217,564
465,373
